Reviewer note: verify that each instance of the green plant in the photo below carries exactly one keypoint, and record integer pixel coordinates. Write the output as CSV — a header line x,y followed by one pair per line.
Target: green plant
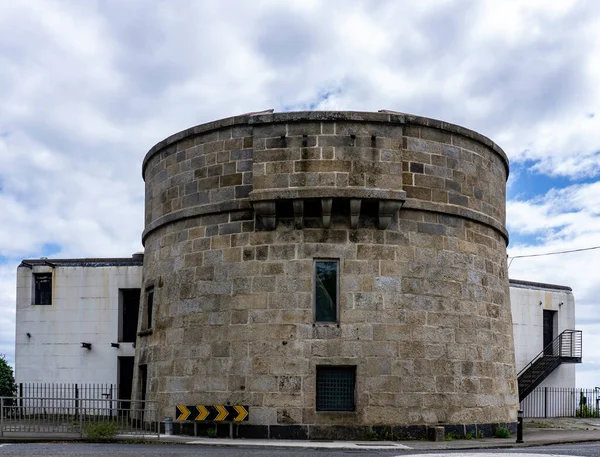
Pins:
x,y
8,388
452,436
585,411
469,436
368,435
377,434
384,434
101,431
211,432
502,432
479,434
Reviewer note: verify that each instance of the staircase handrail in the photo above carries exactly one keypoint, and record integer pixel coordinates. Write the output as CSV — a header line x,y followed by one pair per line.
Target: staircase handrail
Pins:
x,y
555,349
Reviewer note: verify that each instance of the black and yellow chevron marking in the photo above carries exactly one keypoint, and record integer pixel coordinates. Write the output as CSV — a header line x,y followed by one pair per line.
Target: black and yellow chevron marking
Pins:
x,y
217,413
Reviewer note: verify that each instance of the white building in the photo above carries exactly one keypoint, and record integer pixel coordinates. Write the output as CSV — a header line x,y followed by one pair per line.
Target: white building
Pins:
x,y
76,321
541,312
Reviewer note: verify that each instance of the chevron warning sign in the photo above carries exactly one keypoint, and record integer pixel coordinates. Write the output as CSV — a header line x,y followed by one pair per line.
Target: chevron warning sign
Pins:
x,y
182,412
217,413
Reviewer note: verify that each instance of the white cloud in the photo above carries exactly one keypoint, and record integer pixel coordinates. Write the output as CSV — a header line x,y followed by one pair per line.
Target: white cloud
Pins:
x,y
88,87
564,219
8,297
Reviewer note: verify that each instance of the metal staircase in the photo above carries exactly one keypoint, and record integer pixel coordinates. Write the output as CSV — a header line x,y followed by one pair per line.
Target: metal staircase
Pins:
x,y
566,348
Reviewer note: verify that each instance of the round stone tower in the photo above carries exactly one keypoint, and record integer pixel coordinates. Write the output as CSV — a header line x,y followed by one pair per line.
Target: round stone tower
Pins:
x,y
339,273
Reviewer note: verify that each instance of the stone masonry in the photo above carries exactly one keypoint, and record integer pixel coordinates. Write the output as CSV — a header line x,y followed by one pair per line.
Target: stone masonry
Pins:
x,y
237,211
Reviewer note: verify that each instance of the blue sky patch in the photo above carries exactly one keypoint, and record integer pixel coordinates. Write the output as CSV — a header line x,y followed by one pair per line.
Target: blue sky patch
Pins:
x,y
50,249
515,238
323,96
530,184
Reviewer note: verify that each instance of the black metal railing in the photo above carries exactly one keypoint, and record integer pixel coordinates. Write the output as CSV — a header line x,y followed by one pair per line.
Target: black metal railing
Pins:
x,y
548,402
67,390
565,348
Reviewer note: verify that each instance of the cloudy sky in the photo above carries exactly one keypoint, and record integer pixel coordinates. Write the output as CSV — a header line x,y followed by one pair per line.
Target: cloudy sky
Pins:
x,y
87,87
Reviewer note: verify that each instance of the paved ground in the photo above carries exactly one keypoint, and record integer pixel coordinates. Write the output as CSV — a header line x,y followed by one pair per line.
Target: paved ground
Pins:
x,y
537,432
78,449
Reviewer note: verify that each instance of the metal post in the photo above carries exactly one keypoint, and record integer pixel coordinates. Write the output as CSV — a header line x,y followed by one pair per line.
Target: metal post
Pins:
x,y
76,402
21,398
168,426
520,426
157,412
1,416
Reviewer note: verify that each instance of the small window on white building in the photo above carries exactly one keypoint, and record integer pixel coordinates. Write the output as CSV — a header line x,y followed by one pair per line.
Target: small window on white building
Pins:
x,y
42,288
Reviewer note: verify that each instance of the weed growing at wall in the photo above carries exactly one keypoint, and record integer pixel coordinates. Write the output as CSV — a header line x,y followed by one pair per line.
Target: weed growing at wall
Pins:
x,y
502,432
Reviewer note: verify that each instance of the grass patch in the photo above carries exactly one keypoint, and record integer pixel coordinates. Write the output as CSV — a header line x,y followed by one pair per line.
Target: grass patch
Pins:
x,y
101,431
586,411
502,432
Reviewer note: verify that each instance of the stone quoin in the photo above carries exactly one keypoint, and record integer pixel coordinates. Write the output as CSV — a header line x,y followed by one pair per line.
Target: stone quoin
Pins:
x,y
337,272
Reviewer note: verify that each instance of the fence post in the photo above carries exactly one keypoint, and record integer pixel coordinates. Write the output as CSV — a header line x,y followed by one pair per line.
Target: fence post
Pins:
x,y
76,402
1,416
519,426
21,410
545,402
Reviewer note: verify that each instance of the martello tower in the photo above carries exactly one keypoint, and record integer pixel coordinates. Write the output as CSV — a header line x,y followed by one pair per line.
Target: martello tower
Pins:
x,y
335,271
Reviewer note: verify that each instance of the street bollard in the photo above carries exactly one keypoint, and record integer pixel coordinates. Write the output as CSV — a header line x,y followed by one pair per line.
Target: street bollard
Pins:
x,y
168,425
520,426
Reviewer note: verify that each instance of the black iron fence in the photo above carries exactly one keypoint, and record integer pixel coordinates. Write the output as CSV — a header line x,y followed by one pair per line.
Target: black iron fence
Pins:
x,y
562,402
67,390
83,417
66,397
74,408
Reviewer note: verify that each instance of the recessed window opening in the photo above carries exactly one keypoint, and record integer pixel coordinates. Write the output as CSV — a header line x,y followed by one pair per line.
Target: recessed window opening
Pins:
x,y
143,382
326,290
336,388
149,306
129,305
42,284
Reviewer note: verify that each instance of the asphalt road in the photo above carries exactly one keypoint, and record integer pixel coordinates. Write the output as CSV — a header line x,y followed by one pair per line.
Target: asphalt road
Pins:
x,y
138,450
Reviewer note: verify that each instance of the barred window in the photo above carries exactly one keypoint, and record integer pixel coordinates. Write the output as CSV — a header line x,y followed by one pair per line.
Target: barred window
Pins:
x,y
335,388
42,283
326,290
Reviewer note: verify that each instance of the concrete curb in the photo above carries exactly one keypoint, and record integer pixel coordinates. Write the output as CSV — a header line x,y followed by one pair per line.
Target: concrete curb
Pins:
x,y
543,437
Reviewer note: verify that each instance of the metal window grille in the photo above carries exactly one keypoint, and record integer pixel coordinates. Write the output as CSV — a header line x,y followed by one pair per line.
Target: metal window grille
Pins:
x,y
43,288
335,388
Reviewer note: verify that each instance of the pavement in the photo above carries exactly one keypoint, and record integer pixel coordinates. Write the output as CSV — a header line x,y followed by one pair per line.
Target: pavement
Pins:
x,y
536,432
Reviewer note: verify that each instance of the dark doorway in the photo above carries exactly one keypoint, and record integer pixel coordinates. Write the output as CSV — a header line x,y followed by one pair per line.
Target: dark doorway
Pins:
x,y
129,307
143,375
548,331
125,374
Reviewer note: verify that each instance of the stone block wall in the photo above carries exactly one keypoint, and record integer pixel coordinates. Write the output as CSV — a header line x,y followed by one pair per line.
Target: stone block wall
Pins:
x,y
424,312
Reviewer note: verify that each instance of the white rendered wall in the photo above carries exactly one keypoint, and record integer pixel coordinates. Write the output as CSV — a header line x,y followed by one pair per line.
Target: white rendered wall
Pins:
x,y
528,325
85,308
